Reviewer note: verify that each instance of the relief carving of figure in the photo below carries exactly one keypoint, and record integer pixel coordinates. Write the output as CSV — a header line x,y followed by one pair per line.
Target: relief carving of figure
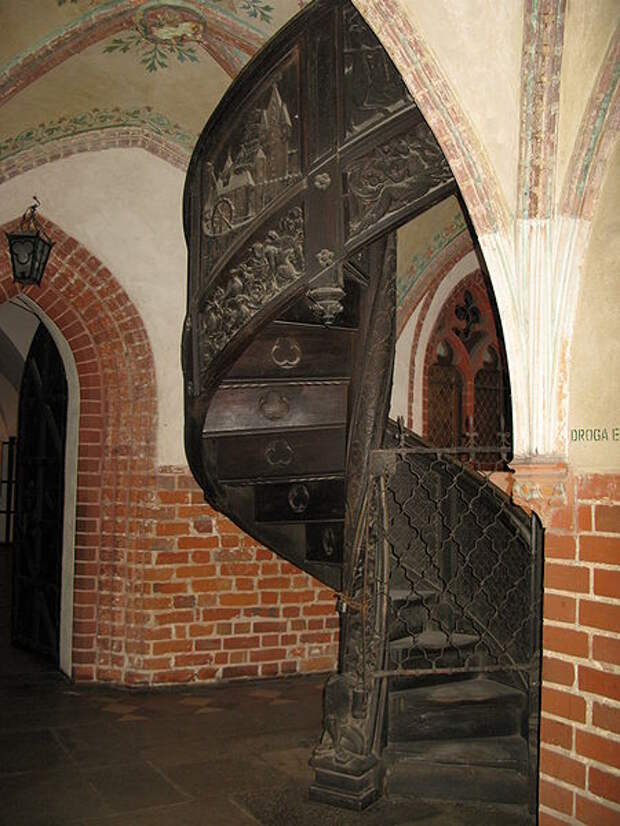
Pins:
x,y
394,174
344,738
271,266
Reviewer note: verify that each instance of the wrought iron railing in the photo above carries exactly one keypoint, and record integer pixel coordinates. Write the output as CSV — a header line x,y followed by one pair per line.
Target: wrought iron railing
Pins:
x,y
464,572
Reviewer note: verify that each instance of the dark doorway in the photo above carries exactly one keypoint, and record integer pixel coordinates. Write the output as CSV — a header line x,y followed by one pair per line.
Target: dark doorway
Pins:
x,y
39,502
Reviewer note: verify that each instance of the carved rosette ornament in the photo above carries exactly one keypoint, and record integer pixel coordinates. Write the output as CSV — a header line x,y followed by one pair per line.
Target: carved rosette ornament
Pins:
x,y
272,265
279,453
393,176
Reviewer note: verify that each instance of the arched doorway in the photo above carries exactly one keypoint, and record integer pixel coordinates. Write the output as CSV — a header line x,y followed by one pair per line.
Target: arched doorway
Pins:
x,y
40,408
39,500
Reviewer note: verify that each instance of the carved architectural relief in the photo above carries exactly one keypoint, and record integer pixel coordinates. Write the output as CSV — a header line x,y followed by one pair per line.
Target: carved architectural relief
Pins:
x,y
374,87
351,696
271,265
259,161
393,176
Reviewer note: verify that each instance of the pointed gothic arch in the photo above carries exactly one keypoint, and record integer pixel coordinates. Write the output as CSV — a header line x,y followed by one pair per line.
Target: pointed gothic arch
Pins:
x,y
115,459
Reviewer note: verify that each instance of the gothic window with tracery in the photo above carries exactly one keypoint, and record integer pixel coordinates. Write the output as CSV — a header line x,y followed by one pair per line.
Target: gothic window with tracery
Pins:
x,y
445,395
467,395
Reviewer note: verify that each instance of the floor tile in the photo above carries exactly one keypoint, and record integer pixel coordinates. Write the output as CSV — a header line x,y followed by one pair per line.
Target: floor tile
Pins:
x,y
209,779
27,750
54,798
218,812
132,786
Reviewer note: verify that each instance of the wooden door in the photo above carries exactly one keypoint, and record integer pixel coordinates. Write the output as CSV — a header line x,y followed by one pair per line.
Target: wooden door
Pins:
x,y
39,507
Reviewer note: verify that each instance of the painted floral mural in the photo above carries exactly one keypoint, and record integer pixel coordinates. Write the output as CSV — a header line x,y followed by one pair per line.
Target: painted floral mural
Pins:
x,y
167,31
160,33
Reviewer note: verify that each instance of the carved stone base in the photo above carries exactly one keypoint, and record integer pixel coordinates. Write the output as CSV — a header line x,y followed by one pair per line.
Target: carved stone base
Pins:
x,y
348,790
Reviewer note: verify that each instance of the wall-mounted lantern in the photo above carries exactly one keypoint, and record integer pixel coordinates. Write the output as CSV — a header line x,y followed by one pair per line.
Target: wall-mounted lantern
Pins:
x,y
29,248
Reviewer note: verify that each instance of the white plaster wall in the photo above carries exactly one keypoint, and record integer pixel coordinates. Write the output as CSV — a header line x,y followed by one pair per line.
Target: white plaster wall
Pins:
x,y
399,405
19,324
478,45
594,400
588,28
124,205
9,398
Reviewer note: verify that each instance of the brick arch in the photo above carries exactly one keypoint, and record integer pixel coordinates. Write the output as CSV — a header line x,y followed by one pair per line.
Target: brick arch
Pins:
x,y
446,271
444,114
116,451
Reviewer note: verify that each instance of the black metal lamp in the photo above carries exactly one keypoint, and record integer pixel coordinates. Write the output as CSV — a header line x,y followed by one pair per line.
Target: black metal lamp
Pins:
x,y
29,248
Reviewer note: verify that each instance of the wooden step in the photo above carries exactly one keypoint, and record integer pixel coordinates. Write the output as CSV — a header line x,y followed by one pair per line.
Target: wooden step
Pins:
x,y
432,647
491,769
508,752
475,708
296,350
433,640
252,407
281,456
414,596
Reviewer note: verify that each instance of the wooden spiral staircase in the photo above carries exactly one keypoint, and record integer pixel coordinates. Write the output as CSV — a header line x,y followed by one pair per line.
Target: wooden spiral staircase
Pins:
x,y
316,154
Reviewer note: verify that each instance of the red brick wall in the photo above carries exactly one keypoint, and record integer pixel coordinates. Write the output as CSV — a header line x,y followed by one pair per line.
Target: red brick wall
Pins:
x,y
218,605
168,591
580,726
165,590
118,411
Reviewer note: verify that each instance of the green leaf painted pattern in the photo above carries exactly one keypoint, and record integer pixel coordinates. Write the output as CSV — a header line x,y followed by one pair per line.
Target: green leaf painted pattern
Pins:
x,y
96,120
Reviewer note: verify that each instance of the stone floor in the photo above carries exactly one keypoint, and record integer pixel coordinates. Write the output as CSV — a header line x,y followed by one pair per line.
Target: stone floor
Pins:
x,y
233,755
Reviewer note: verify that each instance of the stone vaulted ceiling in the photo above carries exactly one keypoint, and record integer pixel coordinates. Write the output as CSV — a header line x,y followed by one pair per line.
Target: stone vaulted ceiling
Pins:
x,y
70,67
73,72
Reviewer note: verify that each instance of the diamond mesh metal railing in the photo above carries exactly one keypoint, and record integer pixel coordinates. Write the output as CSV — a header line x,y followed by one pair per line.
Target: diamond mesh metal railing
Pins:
x,y
464,570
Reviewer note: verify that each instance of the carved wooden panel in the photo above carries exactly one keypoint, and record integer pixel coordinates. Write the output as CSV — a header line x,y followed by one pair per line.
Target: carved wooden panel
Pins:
x,y
259,158
290,454
271,406
392,177
374,89
272,264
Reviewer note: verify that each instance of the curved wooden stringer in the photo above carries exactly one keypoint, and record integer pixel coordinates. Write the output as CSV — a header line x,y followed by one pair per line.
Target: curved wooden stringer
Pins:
x,y
315,154
313,159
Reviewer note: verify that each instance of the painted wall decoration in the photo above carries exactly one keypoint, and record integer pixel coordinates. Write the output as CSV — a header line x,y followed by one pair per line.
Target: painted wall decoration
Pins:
x,y
165,31
253,8
410,271
161,33
96,120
